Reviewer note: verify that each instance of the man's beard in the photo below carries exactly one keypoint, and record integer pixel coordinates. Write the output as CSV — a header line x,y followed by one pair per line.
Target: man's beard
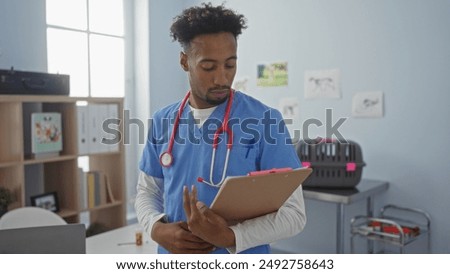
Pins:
x,y
216,102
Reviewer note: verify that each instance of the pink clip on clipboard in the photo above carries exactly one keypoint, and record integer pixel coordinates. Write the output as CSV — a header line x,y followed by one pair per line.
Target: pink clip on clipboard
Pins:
x,y
245,197
268,171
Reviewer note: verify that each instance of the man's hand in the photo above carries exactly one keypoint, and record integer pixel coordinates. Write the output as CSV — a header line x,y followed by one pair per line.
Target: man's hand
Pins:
x,y
204,223
176,238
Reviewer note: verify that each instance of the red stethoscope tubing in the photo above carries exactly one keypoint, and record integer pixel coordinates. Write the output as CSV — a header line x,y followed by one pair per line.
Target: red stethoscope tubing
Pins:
x,y
166,158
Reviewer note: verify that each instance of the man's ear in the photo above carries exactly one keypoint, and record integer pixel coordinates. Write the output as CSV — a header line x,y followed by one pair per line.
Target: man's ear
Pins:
x,y
184,61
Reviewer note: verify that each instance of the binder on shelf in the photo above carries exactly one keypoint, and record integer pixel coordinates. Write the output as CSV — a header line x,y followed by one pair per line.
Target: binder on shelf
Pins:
x,y
91,120
93,129
103,114
82,125
113,112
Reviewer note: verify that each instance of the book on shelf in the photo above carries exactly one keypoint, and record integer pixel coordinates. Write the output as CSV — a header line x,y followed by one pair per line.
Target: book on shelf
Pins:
x,y
46,134
82,176
99,191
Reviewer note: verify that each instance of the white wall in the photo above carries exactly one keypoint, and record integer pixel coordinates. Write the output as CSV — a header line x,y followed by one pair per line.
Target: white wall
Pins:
x,y
23,35
168,81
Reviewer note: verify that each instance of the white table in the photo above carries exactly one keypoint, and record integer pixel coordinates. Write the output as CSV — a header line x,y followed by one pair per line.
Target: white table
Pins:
x,y
120,241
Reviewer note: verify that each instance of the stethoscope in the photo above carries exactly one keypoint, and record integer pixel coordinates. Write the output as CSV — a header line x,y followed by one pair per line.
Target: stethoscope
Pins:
x,y
166,158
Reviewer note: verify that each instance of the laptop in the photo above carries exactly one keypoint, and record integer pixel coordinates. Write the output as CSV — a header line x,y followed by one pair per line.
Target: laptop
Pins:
x,y
55,239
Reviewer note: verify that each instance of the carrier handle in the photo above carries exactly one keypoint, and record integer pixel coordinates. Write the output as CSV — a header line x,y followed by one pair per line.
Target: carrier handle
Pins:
x,y
41,84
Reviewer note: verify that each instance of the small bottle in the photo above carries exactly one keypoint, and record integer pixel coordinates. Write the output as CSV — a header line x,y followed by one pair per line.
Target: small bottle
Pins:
x,y
138,237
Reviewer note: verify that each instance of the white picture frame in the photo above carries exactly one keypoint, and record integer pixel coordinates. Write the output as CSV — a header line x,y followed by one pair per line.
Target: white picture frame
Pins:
x,y
368,104
322,84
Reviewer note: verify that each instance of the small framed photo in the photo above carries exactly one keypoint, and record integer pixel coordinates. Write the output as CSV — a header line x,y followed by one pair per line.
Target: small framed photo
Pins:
x,y
47,201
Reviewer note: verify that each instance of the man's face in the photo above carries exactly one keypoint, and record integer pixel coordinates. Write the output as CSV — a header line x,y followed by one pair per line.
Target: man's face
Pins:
x,y
211,66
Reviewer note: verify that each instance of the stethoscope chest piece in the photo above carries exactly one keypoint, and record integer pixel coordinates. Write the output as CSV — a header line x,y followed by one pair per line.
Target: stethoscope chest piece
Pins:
x,y
166,159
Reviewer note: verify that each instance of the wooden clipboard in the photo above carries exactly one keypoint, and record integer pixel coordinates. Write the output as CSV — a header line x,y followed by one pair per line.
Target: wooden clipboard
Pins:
x,y
245,197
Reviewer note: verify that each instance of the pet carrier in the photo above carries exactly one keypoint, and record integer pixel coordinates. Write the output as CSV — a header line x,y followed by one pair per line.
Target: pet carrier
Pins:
x,y
335,163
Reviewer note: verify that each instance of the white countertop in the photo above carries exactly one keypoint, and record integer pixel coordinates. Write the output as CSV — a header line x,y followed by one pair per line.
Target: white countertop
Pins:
x,y
120,241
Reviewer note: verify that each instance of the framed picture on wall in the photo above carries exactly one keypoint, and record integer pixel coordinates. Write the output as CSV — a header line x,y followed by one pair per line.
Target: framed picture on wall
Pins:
x,y
47,201
272,75
322,84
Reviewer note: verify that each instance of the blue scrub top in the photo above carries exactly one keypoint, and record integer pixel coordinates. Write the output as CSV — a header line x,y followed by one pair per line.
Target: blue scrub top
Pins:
x,y
260,141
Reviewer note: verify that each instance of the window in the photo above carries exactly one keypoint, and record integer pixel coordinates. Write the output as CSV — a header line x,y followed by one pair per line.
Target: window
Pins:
x,y
85,39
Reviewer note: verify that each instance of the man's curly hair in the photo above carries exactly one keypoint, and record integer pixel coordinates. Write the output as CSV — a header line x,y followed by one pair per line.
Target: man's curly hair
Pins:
x,y
205,19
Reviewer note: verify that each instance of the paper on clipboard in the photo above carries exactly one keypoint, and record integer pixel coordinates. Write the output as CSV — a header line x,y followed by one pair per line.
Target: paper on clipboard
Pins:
x,y
245,197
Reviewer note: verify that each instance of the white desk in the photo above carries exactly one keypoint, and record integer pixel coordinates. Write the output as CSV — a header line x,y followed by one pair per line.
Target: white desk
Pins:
x,y
120,241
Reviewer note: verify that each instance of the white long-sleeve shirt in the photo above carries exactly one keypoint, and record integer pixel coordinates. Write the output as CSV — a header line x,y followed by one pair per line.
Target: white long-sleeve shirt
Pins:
x,y
289,220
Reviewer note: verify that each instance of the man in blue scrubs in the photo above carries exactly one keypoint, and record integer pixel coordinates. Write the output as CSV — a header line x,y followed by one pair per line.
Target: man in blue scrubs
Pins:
x,y
171,204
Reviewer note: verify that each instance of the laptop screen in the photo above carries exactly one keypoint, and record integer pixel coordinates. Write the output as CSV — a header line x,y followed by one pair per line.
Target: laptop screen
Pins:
x,y
55,239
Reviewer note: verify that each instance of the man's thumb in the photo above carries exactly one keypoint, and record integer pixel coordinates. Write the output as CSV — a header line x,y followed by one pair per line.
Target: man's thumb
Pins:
x,y
201,206
207,212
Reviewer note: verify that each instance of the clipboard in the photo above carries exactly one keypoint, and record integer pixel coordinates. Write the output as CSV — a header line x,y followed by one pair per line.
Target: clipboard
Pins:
x,y
259,193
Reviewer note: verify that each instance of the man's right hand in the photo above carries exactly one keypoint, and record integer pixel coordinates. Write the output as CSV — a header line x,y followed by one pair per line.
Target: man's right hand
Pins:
x,y
176,238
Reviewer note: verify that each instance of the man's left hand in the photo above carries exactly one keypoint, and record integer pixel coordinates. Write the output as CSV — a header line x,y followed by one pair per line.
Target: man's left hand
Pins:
x,y
204,223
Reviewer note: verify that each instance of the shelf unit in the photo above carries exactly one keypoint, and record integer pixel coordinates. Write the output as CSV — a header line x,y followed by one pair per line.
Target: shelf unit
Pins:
x,y
26,176
396,227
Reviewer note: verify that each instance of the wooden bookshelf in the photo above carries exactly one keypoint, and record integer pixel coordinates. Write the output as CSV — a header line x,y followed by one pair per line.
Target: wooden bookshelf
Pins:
x,y
27,176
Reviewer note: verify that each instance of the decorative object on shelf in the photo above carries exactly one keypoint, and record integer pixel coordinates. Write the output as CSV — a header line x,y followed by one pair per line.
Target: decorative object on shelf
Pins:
x,y
5,200
47,201
46,134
